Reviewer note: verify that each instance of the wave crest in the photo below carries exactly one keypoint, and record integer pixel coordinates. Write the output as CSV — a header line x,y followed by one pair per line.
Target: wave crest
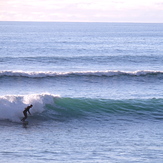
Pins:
x,y
109,73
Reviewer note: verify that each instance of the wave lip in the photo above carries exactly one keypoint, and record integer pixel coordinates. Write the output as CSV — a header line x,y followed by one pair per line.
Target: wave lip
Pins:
x,y
108,73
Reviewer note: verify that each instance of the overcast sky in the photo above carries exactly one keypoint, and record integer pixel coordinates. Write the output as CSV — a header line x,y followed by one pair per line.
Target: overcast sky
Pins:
x,y
82,10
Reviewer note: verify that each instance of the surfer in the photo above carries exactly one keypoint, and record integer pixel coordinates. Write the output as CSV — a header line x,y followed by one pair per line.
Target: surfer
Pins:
x,y
25,112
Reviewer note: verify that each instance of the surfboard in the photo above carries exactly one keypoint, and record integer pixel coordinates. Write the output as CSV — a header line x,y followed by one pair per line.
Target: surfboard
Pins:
x,y
25,122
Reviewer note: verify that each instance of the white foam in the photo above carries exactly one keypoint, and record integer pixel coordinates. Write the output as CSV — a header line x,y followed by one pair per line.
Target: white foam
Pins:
x,y
40,74
12,106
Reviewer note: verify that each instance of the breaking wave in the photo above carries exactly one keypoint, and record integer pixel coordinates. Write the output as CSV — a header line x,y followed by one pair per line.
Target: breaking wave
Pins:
x,y
53,107
109,73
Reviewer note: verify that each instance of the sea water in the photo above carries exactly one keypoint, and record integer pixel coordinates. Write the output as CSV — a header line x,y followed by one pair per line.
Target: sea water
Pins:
x,y
96,90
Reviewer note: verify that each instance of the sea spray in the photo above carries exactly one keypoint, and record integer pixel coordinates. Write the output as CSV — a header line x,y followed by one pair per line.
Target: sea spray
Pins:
x,y
12,106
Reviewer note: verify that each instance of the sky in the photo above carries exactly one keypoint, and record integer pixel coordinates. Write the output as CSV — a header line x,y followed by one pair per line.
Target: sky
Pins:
x,y
145,11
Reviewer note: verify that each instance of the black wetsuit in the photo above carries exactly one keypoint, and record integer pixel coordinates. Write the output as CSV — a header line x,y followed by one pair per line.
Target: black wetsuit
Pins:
x,y
25,112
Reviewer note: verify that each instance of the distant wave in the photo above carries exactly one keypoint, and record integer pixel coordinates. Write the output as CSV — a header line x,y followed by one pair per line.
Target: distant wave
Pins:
x,y
53,107
109,73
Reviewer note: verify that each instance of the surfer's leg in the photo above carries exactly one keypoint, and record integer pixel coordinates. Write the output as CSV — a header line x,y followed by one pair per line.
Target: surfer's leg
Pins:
x,y
23,119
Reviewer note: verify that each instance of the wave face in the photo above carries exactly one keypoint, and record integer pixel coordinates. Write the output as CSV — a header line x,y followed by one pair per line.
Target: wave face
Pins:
x,y
52,107
110,73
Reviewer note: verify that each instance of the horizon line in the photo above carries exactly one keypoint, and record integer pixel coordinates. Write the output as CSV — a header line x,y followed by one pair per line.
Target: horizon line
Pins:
x,y
35,21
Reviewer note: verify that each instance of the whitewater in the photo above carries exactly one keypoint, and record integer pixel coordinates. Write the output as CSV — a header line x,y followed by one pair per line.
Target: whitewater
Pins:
x,y
96,91
81,73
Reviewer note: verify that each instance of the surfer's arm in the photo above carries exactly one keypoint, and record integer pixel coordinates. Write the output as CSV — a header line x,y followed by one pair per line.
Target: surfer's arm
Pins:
x,y
29,112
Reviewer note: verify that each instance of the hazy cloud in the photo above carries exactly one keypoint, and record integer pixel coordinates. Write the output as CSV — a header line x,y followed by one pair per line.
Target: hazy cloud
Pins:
x,y
81,10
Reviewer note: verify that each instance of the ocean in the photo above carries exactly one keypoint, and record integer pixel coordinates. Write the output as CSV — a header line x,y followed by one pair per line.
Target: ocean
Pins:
x,y
96,91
